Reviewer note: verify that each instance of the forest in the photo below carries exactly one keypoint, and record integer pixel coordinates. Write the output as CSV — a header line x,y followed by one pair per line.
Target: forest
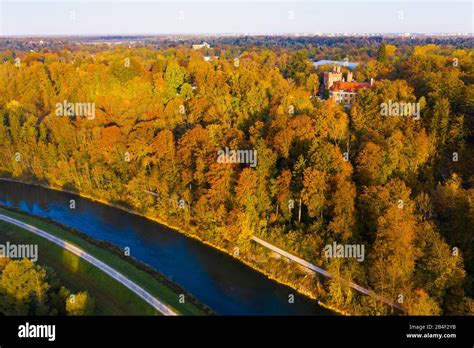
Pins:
x,y
401,187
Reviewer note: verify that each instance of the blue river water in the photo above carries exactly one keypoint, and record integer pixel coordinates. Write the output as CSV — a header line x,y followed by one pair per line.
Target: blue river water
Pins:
x,y
224,284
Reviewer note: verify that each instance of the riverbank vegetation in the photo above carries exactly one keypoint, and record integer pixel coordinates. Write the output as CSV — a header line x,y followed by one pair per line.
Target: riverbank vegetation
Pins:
x,y
111,297
30,289
400,186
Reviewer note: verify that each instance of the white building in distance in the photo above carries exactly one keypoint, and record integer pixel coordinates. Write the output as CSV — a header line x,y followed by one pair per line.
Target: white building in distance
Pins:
x,y
200,46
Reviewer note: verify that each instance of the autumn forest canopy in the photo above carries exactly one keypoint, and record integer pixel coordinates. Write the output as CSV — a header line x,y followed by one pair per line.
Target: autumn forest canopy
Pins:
x,y
402,187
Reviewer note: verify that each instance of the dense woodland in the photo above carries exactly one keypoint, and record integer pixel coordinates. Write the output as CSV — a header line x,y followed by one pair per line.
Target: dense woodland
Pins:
x,y
161,115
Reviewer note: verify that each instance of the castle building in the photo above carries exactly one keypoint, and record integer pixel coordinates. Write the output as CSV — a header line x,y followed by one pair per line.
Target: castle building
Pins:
x,y
344,92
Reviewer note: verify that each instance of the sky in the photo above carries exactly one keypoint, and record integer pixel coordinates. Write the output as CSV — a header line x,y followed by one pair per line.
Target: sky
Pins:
x,y
112,17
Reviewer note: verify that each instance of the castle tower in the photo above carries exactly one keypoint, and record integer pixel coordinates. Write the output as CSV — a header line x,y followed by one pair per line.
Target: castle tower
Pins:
x,y
349,76
332,76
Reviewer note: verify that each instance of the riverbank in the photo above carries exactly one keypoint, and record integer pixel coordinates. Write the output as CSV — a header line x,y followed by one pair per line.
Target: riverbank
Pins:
x,y
275,276
113,298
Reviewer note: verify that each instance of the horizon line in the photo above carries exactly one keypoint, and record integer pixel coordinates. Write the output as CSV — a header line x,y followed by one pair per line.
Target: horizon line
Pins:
x,y
221,34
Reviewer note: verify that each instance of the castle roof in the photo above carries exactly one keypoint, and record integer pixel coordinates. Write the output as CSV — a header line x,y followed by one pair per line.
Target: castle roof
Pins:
x,y
349,86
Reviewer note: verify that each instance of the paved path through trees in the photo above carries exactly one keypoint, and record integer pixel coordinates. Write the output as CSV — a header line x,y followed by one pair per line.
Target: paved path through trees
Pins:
x,y
319,270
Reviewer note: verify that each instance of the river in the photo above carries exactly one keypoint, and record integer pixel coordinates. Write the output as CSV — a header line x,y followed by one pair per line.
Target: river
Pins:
x,y
223,283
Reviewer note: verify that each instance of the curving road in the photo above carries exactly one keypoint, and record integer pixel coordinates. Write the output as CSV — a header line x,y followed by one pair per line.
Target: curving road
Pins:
x,y
145,295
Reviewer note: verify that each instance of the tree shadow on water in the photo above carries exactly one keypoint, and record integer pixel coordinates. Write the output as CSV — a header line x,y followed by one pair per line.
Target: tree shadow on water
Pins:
x,y
70,187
